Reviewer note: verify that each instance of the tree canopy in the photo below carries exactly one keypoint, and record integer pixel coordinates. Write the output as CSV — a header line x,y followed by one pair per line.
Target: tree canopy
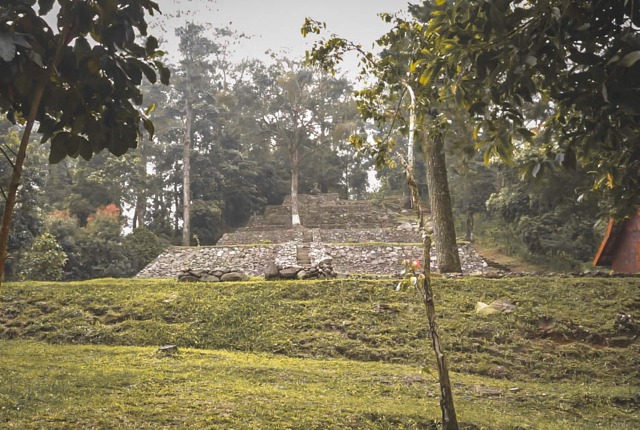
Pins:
x,y
90,67
79,82
495,57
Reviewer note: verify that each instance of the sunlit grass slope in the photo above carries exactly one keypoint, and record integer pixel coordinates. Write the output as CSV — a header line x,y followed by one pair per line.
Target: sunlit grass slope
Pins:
x,y
334,354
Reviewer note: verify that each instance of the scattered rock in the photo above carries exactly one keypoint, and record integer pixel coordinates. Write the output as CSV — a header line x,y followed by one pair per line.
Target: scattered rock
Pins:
x,y
271,272
234,277
168,350
625,323
329,259
217,275
288,272
494,307
405,226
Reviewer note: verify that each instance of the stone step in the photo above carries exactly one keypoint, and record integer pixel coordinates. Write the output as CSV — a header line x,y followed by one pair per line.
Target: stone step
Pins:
x,y
302,256
497,266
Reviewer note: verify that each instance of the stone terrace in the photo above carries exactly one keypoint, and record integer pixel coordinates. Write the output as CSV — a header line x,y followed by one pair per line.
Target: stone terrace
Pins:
x,y
324,211
355,237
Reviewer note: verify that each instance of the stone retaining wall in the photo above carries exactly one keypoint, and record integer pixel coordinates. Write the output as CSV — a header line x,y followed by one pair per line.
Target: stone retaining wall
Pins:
x,y
254,260
352,235
388,259
265,237
251,260
379,235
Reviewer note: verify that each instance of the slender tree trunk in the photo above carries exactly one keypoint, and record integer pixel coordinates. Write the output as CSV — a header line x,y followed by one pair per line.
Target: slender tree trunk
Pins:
x,y
444,230
141,195
295,167
424,287
406,190
470,226
16,174
18,165
449,418
140,210
186,175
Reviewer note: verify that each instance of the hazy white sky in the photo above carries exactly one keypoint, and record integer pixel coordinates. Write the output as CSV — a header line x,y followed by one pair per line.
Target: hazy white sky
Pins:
x,y
275,24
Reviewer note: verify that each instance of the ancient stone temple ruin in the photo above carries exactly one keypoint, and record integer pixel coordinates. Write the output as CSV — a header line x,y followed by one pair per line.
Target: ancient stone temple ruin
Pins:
x,y
336,238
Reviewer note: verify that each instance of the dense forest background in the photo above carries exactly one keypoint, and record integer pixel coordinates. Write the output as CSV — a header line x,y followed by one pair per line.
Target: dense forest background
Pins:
x,y
228,130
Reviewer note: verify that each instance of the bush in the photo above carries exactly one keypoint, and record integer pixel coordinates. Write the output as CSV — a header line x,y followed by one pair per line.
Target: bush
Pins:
x,y
142,246
44,261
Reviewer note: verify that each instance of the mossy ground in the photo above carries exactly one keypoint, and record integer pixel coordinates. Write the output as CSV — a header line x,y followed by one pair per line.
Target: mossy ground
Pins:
x,y
316,354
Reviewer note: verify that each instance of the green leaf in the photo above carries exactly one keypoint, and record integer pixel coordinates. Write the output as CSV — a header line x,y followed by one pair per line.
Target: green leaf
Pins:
x,y
165,74
148,71
414,65
440,2
152,45
150,109
73,146
477,108
81,45
487,157
526,134
85,150
424,78
78,145
630,59
45,6
148,125
605,94
7,47
58,150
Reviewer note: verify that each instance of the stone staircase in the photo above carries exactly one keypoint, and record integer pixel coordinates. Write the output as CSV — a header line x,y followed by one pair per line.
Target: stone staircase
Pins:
x,y
302,251
325,211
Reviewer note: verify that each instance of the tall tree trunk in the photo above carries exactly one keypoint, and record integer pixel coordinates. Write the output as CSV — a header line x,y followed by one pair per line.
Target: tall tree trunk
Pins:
x,y
295,167
176,214
424,287
444,230
140,210
470,226
186,175
141,195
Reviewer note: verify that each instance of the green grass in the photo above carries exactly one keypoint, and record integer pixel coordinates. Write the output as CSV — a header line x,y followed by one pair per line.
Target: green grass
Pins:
x,y
315,354
46,386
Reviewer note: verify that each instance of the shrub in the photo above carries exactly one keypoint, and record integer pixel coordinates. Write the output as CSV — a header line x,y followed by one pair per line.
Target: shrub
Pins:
x,y
44,261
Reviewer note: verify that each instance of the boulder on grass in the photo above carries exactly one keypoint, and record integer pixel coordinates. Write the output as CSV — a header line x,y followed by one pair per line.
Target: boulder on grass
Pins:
x,y
271,271
234,277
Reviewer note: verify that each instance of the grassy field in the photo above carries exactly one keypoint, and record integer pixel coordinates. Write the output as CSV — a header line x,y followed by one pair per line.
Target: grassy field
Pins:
x,y
315,355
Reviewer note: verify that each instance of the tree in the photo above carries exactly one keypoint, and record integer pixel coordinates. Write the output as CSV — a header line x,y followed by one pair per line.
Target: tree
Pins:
x,y
194,49
83,94
28,213
494,57
381,103
141,247
304,109
97,249
44,261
